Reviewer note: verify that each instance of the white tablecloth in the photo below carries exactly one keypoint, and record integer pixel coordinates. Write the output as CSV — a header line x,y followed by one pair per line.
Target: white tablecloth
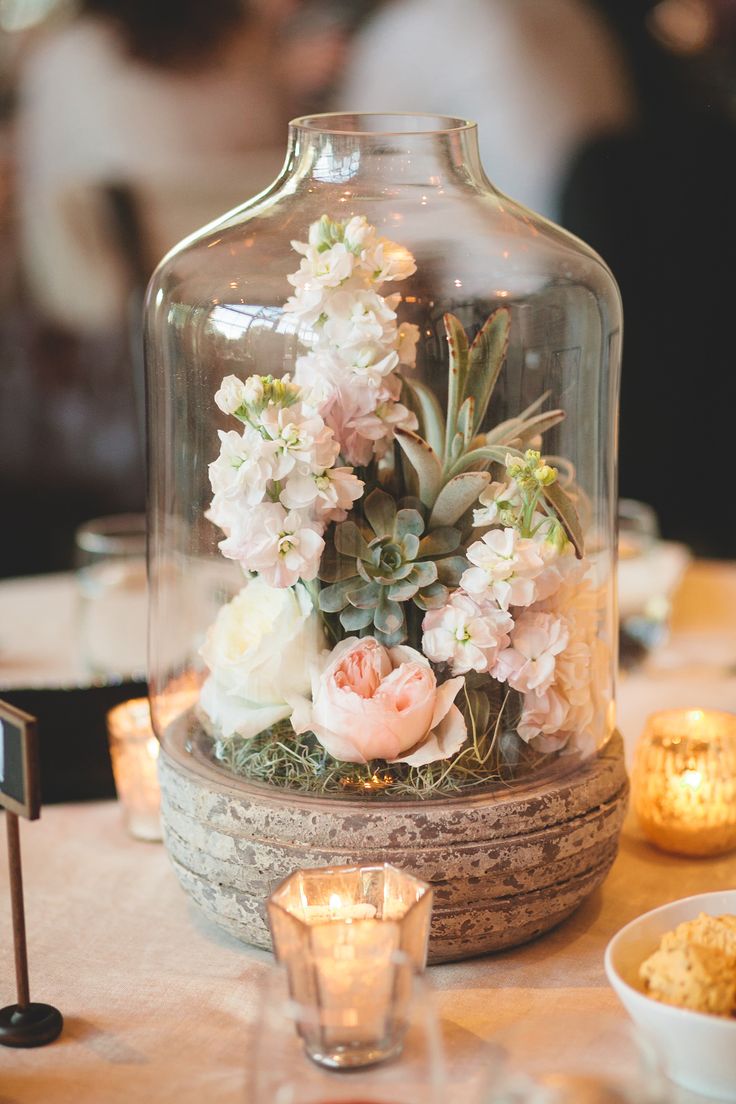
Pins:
x,y
159,1005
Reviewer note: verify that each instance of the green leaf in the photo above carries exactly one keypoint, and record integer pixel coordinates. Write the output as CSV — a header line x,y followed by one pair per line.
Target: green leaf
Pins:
x,y
333,566
493,454
333,598
425,462
439,542
432,597
563,506
456,497
403,591
350,541
409,547
466,420
408,521
520,431
457,344
424,574
537,426
423,403
366,596
485,361
389,616
380,510
353,619
450,569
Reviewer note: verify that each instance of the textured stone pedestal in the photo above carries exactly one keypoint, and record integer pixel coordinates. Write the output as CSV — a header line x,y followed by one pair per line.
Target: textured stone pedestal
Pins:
x,y
505,867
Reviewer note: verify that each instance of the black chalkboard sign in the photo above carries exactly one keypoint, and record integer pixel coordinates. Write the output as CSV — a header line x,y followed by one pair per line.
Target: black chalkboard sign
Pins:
x,y
19,770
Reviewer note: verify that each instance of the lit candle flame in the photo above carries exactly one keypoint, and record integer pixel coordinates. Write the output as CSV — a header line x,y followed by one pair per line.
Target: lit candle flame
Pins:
x,y
335,902
691,779
152,747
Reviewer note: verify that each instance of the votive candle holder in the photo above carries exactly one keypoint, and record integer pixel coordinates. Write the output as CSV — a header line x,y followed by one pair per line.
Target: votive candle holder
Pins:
x,y
684,781
134,754
350,938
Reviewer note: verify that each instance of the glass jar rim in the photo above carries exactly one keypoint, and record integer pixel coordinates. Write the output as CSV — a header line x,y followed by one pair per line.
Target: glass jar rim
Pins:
x,y
385,124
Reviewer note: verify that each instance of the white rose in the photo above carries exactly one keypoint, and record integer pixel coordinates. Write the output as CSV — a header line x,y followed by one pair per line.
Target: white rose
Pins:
x,y
259,652
231,395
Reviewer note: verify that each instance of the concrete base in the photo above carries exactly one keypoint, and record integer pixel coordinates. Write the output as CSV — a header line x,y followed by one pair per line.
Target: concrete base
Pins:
x,y
505,866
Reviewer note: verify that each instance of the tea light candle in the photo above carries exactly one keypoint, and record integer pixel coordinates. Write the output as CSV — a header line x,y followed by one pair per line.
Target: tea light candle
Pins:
x,y
134,753
345,934
684,781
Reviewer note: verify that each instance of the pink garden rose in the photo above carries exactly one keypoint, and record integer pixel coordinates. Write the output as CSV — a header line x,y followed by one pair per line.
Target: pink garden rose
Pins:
x,y
370,702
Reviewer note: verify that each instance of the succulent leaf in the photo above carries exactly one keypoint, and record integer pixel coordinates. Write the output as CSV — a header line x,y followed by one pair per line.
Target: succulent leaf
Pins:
x,y
433,597
439,542
425,462
457,343
485,361
334,598
456,497
450,569
354,619
350,541
380,510
563,506
424,404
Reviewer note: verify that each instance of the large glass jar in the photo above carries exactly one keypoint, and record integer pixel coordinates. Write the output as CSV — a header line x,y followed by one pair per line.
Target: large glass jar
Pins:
x,y
382,403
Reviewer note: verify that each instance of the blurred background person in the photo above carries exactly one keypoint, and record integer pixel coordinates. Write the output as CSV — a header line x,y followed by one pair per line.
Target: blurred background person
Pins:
x,y
133,124
657,202
538,78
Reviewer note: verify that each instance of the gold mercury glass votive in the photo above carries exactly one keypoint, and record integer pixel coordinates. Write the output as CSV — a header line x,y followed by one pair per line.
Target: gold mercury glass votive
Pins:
x,y
134,753
684,781
349,937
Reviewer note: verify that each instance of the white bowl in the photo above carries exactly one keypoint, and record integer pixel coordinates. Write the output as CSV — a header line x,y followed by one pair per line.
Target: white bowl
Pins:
x,y
698,1050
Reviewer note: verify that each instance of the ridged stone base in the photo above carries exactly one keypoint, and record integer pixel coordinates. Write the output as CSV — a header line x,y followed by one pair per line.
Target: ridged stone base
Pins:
x,y
505,866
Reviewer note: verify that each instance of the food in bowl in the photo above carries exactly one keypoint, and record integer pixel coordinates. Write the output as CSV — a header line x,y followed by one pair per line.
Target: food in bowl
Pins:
x,y
695,966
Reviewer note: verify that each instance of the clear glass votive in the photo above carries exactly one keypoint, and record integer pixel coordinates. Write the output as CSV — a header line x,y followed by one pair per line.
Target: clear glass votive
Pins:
x,y
350,938
684,781
110,555
281,1068
134,753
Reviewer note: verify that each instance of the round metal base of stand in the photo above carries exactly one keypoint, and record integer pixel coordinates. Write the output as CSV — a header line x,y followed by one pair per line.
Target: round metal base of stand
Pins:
x,y
32,1026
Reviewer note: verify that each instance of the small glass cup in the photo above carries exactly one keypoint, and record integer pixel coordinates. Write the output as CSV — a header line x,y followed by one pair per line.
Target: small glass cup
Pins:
x,y
111,572
134,754
345,935
684,781
283,1067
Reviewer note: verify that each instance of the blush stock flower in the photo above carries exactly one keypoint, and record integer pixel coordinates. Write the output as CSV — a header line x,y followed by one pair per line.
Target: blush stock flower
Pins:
x,y
465,633
371,702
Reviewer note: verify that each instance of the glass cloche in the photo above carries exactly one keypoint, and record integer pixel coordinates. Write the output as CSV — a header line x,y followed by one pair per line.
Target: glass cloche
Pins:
x,y
382,414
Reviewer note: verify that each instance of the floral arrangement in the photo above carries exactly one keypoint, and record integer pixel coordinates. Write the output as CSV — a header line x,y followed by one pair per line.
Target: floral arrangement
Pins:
x,y
417,614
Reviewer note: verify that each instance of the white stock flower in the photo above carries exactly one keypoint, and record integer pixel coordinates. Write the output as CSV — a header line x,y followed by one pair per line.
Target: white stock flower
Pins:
x,y
329,494
506,565
358,318
495,498
300,438
243,467
407,343
307,305
359,234
388,260
529,662
283,547
466,634
323,268
230,395
259,652
543,721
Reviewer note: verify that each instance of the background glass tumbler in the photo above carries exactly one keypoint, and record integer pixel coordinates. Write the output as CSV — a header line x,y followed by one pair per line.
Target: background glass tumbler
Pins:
x,y
111,570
